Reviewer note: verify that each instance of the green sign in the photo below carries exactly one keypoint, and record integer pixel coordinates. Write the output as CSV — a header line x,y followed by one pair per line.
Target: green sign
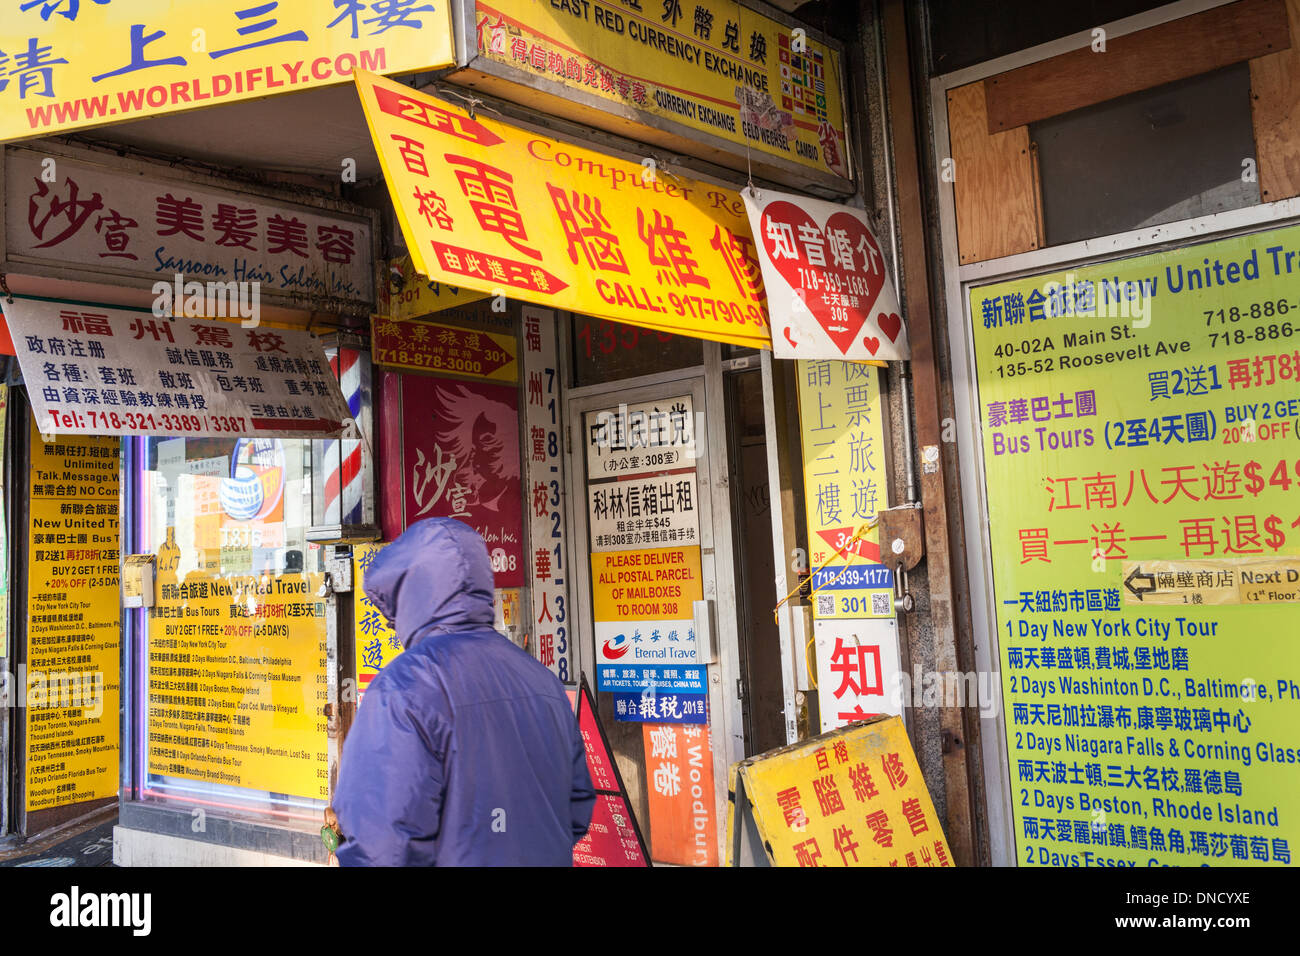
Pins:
x,y
1140,448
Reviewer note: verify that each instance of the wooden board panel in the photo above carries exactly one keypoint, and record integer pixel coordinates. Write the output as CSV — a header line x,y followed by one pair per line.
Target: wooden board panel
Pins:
x,y
1137,61
994,186
1275,112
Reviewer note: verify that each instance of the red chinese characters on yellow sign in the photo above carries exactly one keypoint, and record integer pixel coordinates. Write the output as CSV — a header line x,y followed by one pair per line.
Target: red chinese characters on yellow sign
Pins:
x,y
852,797
428,347
491,207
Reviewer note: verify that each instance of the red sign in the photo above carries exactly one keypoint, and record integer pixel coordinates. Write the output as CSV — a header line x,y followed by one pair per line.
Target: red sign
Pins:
x,y
460,459
679,769
613,839
828,294
841,539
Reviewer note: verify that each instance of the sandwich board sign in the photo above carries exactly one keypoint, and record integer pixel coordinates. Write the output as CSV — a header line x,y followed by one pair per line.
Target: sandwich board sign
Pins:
x,y
614,839
851,797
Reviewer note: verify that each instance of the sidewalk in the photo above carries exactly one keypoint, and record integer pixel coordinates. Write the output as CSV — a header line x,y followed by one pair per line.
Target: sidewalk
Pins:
x,y
86,842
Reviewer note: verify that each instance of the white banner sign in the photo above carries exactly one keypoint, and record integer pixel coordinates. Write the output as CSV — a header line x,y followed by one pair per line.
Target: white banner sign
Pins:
x,y
69,213
651,511
640,439
857,670
828,295
95,371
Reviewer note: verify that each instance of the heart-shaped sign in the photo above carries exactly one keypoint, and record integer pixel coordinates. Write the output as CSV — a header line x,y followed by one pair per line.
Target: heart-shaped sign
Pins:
x,y
891,324
839,269
872,343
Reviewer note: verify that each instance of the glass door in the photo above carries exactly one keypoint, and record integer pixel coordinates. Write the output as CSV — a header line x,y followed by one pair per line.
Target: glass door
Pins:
x,y
648,514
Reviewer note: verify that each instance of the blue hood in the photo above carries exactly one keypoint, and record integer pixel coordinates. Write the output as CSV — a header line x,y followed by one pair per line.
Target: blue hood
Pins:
x,y
436,578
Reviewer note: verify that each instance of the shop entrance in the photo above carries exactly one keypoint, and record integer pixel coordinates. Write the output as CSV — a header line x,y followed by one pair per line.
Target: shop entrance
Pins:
x,y
672,575
654,582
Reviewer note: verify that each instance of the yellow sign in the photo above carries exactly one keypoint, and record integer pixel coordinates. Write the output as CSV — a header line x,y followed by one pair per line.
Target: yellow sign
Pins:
x,y
1249,580
655,585
712,67
440,349
495,208
72,64
377,642
408,295
238,682
845,486
853,797
73,683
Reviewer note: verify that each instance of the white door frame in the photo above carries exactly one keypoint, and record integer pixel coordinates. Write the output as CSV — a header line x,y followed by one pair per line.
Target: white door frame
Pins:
x,y
717,566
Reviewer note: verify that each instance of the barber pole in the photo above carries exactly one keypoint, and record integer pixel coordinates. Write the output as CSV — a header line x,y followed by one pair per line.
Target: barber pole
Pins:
x,y
343,474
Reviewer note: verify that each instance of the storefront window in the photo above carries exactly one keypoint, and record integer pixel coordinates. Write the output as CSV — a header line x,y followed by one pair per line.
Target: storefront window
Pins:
x,y
605,351
230,715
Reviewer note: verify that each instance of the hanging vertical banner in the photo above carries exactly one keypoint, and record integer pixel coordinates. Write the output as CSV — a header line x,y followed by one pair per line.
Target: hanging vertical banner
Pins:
x,y
73,684
494,208
683,815
829,296
845,486
1138,421
546,498
461,455
613,839
376,641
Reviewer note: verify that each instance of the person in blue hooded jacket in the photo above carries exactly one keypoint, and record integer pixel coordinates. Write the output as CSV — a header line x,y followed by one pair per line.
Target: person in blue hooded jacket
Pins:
x,y
465,750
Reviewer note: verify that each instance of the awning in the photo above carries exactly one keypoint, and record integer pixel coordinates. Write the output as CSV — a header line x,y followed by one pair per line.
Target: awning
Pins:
x,y
98,371
491,207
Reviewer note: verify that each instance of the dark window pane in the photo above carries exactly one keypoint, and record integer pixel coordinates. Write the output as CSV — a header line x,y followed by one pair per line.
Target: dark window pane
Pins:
x,y
606,351
1169,153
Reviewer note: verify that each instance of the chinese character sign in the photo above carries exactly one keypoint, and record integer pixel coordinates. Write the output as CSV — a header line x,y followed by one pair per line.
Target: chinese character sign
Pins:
x,y
155,228
545,500
409,295
460,455
97,371
613,839
1138,424
376,641
852,797
679,773
857,669
845,486
490,207
829,296
71,64
426,347
722,73
73,613
645,558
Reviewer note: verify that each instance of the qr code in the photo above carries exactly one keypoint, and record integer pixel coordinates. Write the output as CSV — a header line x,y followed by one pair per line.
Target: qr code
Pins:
x,y
825,604
880,604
